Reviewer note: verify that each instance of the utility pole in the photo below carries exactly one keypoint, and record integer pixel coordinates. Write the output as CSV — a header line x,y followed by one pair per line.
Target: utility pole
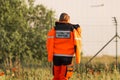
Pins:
x,y
116,33
116,36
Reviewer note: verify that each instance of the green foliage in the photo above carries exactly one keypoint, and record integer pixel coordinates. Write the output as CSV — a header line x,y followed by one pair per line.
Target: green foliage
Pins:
x,y
23,30
40,73
12,15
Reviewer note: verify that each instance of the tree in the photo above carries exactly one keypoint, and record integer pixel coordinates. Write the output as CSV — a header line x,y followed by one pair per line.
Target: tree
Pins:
x,y
41,20
23,30
12,24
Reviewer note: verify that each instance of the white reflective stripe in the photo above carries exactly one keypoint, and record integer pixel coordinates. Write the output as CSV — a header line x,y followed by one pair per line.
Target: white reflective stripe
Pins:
x,y
61,31
63,55
77,38
50,37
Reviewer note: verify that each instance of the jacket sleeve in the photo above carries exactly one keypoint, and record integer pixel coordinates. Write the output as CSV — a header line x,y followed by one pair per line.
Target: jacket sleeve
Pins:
x,y
50,44
77,43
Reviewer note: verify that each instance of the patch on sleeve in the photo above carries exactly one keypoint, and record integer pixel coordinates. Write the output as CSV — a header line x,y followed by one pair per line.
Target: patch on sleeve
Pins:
x,y
62,34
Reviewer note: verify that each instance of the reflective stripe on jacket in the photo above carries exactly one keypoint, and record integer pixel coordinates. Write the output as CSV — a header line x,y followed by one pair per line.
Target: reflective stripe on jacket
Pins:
x,y
77,35
50,44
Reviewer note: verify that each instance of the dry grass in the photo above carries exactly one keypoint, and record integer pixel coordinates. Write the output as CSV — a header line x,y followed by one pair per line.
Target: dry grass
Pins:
x,y
44,72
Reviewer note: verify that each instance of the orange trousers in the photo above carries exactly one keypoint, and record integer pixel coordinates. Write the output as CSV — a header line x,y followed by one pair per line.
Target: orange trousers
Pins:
x,y
63,72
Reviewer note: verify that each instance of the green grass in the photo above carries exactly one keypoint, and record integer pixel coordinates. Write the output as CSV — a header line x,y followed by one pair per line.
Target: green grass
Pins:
x,y
46,74
42,71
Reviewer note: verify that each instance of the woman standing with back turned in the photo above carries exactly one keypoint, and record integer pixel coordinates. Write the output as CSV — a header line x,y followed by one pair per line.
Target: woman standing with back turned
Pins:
x,y
63,42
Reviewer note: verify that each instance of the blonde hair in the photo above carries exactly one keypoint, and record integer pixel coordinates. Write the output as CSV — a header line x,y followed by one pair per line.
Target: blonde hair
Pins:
x,y
64,17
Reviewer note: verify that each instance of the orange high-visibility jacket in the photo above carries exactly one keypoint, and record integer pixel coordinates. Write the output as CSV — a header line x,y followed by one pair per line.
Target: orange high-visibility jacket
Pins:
x,y
64,40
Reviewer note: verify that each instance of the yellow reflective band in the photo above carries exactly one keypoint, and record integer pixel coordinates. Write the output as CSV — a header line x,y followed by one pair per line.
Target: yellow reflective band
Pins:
x,y
77,38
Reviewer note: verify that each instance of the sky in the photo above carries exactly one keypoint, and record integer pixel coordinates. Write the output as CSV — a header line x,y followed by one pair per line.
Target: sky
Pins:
x,y
96,20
